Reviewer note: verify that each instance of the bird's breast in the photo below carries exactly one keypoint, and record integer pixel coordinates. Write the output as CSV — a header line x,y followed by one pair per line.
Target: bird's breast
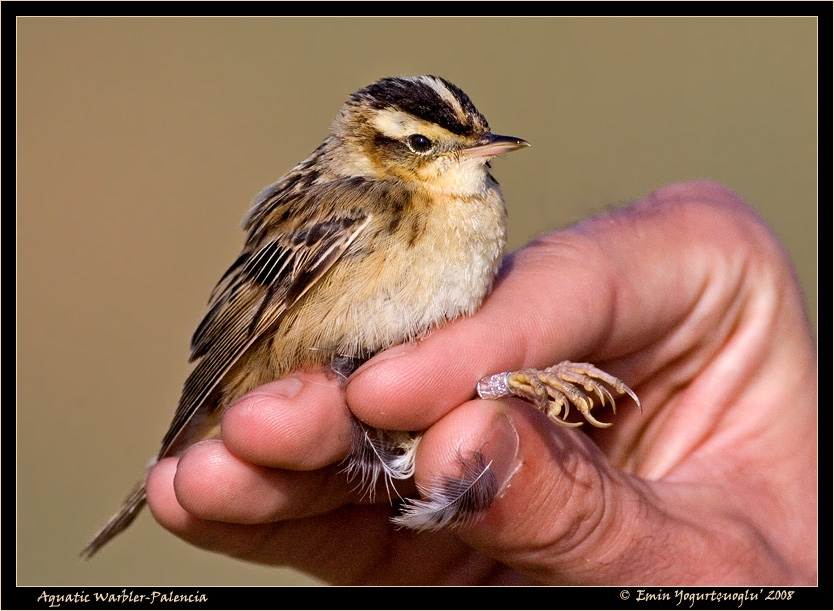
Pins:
x,y
400,280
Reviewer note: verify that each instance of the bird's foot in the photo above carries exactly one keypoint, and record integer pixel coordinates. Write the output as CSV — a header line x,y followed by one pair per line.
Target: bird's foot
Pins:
x,y
554,389
389,455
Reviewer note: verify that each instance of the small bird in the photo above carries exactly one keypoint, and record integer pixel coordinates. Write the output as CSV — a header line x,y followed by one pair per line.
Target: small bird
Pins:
x,y
390,229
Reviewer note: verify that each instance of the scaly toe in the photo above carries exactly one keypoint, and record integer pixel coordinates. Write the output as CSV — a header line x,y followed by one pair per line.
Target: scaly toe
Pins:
x,y
555,388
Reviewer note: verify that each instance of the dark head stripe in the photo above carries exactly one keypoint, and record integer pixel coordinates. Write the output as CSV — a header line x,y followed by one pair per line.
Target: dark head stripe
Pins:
x,y
421,100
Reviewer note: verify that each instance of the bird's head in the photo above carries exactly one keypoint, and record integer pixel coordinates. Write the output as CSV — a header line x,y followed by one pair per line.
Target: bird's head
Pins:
x,y
423,130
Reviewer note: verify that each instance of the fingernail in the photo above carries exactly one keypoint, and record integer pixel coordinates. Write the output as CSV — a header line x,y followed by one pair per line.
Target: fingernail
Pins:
x,y
285,388
500,448
391,353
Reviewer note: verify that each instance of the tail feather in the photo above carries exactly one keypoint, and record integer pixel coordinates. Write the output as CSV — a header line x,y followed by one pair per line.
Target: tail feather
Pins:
x,y
123,518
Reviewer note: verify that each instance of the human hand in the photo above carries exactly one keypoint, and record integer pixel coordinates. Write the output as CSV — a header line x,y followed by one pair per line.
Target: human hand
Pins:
x,y
686,296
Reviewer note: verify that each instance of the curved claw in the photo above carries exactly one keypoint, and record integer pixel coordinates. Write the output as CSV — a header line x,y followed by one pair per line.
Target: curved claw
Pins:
x,y
555,388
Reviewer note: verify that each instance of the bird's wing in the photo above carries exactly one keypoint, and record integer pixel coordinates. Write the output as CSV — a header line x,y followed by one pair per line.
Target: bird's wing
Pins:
x,y
282,261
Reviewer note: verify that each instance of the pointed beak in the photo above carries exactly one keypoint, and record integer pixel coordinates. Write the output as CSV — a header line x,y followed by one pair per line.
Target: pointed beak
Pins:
x,y
493,144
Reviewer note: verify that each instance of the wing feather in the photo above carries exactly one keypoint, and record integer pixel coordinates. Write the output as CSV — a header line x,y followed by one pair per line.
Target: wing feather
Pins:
x,y
256,291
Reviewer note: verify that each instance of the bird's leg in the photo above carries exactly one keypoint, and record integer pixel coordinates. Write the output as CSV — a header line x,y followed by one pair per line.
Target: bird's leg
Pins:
x,y
554,389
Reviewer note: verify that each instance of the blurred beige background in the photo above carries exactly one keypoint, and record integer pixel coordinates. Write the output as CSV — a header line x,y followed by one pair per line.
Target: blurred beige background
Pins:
x,y
142,141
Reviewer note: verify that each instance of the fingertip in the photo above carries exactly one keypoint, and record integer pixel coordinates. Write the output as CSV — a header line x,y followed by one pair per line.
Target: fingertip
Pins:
x,y
462,463
476,427
201,480
162,499
165,506
299,422
410,389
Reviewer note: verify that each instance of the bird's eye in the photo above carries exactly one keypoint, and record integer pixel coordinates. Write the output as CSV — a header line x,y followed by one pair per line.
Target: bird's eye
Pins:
x,y
419,143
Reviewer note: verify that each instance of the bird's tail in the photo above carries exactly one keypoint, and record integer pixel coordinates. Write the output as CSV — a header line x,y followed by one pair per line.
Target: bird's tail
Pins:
x,y
123,518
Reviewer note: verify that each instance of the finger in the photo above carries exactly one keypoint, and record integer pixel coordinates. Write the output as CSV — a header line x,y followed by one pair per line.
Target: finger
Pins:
x,y
179,510
279,458
379,554
299,422
562,515
213,484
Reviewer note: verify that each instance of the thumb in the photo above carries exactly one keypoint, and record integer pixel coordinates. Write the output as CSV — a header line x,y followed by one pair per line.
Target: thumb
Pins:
x,y
562,513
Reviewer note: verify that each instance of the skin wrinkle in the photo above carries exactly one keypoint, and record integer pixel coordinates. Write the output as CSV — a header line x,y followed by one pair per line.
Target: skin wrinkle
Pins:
x,y
553,493
569,539
689,438
728,331
725,532
630,500
642,431
727,325
661,407
724,535
760,486
647,508
594,523
571,255
602,538
755,544
566,544
642,561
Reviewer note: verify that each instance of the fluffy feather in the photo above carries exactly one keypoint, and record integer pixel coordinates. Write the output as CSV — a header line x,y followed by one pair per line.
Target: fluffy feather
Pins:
x,y
452,500
378,454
